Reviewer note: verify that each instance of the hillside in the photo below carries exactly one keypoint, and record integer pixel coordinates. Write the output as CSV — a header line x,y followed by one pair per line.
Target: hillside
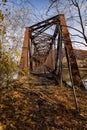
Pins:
x,y
81,57
26,106
80,54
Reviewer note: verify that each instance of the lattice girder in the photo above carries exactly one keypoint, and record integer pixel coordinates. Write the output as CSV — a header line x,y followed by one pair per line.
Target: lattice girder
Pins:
x,y
39,46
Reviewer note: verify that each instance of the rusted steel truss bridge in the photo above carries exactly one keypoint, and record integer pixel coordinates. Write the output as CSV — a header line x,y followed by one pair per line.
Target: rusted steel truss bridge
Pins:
x,y
44,49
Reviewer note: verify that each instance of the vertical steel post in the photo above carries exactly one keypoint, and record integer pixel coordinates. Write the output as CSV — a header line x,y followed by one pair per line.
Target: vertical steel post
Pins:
x,y
71,79
24,55
57,54
30,53
60,56
66,38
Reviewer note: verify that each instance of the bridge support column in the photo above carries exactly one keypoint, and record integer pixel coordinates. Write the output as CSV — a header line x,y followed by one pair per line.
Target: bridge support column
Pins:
x,y
73,64
24,55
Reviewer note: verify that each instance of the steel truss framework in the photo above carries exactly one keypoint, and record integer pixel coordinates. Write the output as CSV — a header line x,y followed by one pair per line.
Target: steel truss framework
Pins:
x,y
39,48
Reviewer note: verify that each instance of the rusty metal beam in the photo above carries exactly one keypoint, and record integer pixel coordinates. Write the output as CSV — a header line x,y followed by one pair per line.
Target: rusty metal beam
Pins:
x,y
24,55
60,57
55,32
43,45
43,23
57,54
41,31
74,67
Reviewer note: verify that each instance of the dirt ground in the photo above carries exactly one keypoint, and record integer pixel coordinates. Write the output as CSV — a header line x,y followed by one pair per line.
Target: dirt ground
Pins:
x,y
24,106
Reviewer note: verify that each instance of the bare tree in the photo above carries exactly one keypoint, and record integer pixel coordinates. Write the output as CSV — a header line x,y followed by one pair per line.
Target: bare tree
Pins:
x,y
16,18
81,15
76,13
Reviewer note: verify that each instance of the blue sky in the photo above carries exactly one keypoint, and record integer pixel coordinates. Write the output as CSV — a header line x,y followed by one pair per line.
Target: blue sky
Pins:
x,y
39,3
37,11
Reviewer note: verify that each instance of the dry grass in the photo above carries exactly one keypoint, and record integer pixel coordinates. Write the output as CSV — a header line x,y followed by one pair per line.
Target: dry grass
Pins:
x,y
30,107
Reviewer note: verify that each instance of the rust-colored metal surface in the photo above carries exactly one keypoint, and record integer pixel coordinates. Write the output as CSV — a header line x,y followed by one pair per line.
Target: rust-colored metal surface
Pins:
x,y
24,55
67,42
41,48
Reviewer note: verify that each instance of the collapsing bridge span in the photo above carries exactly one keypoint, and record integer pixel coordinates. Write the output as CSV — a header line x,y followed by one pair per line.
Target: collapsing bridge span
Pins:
x,y
41,48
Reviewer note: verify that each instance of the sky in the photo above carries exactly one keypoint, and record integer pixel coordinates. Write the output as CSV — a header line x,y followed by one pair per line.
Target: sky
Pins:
x,y
41,7
39,3
37,12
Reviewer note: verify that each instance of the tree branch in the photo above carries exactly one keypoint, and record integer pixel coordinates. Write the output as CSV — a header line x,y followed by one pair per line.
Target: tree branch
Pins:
x,y
80,43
